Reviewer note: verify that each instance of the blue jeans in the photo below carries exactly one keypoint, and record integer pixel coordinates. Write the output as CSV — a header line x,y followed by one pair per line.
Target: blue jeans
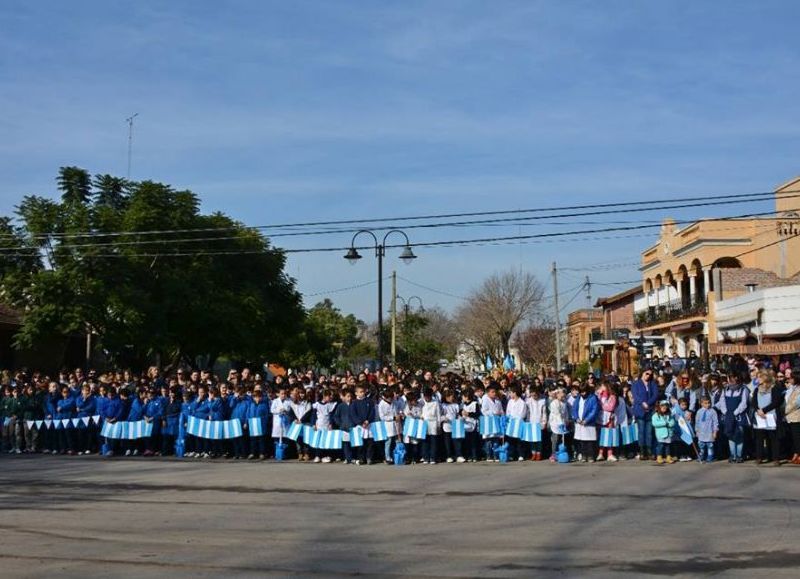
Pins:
x,y
706,451
387,449
663,449
736,449
645,426
488,449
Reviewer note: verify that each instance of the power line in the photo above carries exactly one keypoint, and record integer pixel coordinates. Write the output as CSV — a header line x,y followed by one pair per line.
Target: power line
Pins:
x,y
501,240
605,208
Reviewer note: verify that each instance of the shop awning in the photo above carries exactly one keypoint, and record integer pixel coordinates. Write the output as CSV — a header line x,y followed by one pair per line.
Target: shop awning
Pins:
x,y
737,317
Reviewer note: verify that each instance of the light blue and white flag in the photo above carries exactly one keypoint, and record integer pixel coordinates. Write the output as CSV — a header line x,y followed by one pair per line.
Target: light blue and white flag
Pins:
x,y
415,428
96,418
378,431
309,434
29,424
532,432
629,434
76,422
39,424
687,434
489,365
127,430
86,420
255,426
515,427
65,422
609,437
490,426
330,439
295,431
56,424
232,428
458,427
357,436
48,423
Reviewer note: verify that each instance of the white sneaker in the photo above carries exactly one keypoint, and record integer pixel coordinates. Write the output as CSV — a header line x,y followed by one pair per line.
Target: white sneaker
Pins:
x,y
54,452
612,458
358,463
689,459
520,459
423,461
128,452
88,452
432,462
18,451
317,459
326,459
461,459
449,459
136,452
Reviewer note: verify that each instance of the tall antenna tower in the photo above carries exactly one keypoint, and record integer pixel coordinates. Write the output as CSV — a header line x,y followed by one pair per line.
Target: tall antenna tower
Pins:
x,y
129,120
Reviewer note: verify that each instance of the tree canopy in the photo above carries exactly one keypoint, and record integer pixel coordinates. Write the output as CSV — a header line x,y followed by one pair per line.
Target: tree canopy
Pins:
x,y
141,268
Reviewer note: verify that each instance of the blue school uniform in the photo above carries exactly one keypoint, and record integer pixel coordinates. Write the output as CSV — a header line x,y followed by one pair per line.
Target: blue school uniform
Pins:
x,y
239,409
113,409
260,410
136,411
65,408
172,416
216,409
201,409
86,406
100,405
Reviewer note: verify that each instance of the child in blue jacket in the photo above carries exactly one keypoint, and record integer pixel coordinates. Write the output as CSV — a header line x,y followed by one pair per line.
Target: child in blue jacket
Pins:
x,y
112,413
188,405
85,407
216,412
65,409
259,407
584,414
239,405
664,425
170,421
153,412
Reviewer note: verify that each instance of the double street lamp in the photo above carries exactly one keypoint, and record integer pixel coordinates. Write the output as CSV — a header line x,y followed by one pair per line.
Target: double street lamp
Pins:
x,y
407,304
407,255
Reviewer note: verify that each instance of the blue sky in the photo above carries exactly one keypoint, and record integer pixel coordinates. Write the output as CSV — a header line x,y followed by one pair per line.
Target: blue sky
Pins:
x,y
294,111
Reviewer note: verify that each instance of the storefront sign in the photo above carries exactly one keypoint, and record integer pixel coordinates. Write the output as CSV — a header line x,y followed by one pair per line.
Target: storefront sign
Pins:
x,y
771,349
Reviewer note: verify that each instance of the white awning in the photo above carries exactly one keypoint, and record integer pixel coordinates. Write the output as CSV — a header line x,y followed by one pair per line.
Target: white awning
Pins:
x,y
737,317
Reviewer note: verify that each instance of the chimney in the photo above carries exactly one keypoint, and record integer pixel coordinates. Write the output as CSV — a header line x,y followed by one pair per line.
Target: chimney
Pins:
x,y
751,287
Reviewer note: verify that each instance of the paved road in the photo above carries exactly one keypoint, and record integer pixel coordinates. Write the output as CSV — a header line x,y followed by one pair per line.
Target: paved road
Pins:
x,y
93,517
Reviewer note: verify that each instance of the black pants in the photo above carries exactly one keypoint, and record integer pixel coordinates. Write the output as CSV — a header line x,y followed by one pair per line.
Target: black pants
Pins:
x,y
588,448
452,446
168,444
240,446
769,436
516,448
794,429
258,445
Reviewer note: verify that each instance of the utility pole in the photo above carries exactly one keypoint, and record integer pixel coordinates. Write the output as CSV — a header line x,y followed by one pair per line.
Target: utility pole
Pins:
x,y
394,317
130,140
558,320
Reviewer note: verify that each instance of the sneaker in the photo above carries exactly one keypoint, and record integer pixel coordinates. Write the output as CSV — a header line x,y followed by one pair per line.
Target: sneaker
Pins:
x,y
660,460
128,452
461,459
389,461
689,459
18,451
520,459
432,462
579,458
552,458
358,463
683,459
136,452
449,459
369,462
612,458
326,459
423,461
262,457
54,452
670,460
591,460
638,457
600,457
317,459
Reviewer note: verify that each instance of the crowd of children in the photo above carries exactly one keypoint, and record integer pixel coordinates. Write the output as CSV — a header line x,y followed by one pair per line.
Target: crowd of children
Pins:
x,y
692,417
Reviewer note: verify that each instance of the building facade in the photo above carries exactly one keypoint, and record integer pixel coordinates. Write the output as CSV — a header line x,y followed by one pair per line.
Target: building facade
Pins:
x,y
691,268
583,327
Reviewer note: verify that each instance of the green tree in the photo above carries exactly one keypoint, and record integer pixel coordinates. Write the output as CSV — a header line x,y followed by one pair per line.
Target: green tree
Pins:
x,y
205,286
416,349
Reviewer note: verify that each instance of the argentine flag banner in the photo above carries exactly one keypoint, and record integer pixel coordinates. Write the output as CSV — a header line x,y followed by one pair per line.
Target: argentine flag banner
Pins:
x,y
629,433
415,428
214,429
490,426
459,428
255,426
515,427
532,432
357,436
379,431
295,431
127,430
687,434
609,437
309,434
329,439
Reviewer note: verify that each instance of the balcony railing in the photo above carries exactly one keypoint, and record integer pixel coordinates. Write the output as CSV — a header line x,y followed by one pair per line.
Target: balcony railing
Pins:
x,y
671,311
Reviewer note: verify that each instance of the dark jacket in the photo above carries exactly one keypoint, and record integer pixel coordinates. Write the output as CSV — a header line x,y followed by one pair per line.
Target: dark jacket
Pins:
x,y
646,392
341,417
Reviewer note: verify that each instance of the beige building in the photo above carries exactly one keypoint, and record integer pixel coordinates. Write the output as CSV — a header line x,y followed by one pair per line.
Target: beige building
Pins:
x,y
583,326
690,268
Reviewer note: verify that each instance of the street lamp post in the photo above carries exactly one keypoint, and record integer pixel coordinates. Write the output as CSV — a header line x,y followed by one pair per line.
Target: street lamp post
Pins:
x,y
353,256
